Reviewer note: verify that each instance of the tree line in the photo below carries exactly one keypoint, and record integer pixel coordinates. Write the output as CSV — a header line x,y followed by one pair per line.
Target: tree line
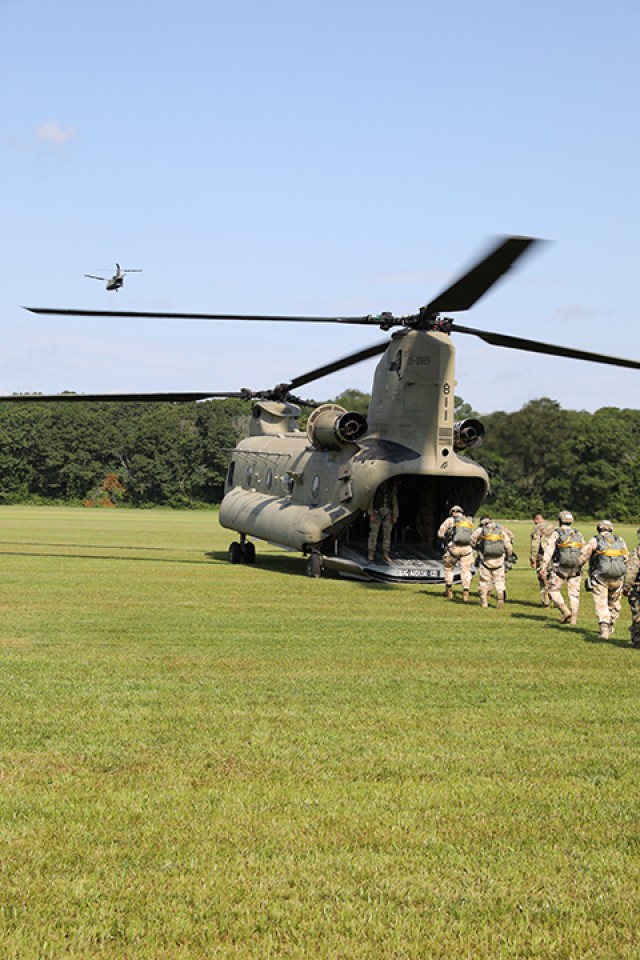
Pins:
x,y
540,457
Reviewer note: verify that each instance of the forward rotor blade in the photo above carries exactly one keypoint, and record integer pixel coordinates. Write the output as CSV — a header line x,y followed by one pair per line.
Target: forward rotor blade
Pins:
x,y
349,361
551,349
472,285
132,270
174,397
92,276
149,315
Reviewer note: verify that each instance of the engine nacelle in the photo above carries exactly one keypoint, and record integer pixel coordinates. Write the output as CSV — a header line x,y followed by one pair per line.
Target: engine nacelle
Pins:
x,y
467,433
330,427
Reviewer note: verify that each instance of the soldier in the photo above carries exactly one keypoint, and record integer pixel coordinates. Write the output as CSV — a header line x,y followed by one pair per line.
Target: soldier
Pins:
x,y
563,551
631,590
540,534
607,555
493,543
456,532
383,512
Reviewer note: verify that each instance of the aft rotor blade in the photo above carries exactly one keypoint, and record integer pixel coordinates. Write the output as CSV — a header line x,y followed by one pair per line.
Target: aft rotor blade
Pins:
x,y
552,349
472,285
349,361
174,397
92,276
149,315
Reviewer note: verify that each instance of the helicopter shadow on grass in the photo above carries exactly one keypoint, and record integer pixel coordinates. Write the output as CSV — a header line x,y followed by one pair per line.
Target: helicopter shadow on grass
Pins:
x,y
54,555
294,565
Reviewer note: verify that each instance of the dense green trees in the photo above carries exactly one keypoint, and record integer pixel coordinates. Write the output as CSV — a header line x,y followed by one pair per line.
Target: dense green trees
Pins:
x,y
177,454
549,458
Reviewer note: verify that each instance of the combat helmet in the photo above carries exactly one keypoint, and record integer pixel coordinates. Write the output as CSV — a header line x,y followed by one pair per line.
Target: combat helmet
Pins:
x,y
605,526
565,517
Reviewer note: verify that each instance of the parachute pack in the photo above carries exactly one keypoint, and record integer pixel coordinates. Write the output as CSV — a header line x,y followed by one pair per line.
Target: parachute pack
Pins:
x,y
460,533
491,543
608,560
568,549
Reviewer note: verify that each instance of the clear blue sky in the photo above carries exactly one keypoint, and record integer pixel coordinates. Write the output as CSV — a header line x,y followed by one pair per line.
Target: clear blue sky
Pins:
x,y
343,157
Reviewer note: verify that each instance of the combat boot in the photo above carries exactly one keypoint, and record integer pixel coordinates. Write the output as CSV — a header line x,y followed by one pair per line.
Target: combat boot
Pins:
x,y
574,619
565,614
448,592
465,596
604,631
499,603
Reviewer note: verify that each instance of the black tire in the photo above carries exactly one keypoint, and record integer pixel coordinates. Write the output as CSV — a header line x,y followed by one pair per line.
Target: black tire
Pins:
x,y
248,552
314,565
235,552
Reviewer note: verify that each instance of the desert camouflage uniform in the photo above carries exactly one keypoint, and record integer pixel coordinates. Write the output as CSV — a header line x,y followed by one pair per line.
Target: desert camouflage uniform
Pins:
x,y
559,576
631,590
491,571
383,512
454,554
539,540
607,594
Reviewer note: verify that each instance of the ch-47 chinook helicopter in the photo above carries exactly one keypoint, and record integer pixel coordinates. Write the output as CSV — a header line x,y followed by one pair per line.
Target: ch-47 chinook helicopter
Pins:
x,y
310,490
116,281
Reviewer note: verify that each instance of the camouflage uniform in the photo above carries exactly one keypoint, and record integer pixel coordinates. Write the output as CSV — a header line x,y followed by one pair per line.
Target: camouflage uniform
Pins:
x,y
607,594
560,575
491,571
383,512
456,553
631,590
539,538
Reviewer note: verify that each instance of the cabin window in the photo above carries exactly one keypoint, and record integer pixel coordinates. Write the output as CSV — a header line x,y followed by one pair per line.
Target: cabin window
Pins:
x,y
288,483
230,473
249,475
315,487
268,479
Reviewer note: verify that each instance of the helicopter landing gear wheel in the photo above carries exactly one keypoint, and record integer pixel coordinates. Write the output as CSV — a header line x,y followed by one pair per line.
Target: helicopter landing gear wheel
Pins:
x,y
235,552
314,564
248,551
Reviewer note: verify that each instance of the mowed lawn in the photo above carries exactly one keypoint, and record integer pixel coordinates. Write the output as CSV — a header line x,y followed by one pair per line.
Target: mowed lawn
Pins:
x,y
206,760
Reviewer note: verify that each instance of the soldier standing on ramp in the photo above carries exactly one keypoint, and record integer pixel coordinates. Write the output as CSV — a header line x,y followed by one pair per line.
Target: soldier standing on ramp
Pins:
x,y
563,551
456,531
540,534
383,512
493,544
607,555
631,590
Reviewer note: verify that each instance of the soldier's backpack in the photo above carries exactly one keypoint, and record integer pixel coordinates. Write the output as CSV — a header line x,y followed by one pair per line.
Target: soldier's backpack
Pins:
x,y
460,533
568,549
491,543
608,558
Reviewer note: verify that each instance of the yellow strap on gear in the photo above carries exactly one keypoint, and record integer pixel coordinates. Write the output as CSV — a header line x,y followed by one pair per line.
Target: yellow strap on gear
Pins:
x,y
610,553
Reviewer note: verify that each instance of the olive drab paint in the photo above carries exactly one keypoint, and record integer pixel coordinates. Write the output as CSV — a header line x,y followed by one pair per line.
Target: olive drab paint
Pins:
x,y
305,490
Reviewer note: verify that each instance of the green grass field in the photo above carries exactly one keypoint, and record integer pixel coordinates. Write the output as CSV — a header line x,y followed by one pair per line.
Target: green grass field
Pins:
x,y
205,760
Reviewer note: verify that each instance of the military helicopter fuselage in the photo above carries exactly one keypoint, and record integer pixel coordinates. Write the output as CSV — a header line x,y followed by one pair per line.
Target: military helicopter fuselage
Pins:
x,y
310,491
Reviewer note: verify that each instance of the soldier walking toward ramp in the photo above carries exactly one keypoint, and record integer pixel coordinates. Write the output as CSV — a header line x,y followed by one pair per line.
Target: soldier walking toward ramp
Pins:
x,y
607,555
540,534
563,552
631,590
456,531
383,512
493,544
